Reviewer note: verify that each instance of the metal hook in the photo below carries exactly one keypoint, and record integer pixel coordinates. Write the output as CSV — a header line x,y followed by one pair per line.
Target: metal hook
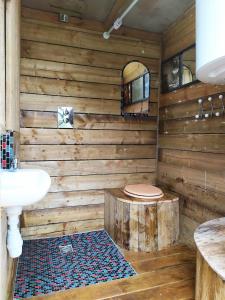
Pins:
x,y
221,98
200,114
210,99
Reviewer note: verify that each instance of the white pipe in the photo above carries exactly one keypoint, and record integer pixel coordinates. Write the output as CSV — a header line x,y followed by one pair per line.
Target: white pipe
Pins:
x,y
118,22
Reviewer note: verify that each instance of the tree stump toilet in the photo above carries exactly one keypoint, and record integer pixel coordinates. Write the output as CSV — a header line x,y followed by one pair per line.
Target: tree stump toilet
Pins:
x,y
142,217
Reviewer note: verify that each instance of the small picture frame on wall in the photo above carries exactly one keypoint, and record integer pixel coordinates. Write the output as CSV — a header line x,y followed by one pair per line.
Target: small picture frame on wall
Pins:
x,y
65,117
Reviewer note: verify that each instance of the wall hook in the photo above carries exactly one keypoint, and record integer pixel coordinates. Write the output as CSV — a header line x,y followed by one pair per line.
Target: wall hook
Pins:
x,y
200,114
221,97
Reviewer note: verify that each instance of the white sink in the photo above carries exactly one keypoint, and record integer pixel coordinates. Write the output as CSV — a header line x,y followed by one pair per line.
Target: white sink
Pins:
x,y
23,187
17,189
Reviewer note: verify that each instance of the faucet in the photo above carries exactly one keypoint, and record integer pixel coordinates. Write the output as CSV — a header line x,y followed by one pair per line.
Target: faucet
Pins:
x,y
13,164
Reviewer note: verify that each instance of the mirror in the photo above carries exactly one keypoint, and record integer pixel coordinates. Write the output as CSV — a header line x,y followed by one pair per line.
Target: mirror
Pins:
x,y
188,66
179,70
170,74
135,89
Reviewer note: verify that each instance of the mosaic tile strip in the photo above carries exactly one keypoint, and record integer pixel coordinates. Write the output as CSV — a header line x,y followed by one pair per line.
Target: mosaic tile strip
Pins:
x,y
6,149
56,264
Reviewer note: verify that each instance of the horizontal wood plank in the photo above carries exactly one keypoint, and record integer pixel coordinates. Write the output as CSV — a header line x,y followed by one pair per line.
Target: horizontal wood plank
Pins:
x,y
211,162
166,261
211,125
77,137
188,109
71,72
198,213
51,69
59,229
190,93
91,182
80,105
58,53
91,167
81,152
195,142
211,199
38,119
181,290
65,199
85,40
142,256
206,180
62,215
49,86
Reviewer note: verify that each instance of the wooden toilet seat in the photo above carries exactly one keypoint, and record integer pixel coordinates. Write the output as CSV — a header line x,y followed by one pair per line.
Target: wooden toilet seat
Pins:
x,y
146,191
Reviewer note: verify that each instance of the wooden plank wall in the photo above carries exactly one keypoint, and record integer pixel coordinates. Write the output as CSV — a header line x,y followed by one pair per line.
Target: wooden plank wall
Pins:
x,y
66,65
192,152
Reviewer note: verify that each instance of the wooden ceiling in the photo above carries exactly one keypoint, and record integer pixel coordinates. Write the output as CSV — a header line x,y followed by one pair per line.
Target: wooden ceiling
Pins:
x,y
148,15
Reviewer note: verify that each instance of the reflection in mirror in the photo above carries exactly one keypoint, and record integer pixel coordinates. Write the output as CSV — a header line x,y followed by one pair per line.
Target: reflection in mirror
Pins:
x,y
170,74
188,66
179,70
135,89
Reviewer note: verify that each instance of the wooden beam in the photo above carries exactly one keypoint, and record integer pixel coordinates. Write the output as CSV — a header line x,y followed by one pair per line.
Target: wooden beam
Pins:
x,y
114,13
2,66
12,63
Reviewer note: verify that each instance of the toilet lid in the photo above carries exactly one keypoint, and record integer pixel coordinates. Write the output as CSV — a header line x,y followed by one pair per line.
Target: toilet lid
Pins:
x,y
143,191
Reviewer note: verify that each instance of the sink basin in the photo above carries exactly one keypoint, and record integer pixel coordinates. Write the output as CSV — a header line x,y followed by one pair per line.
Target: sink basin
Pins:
x,y
17,189
23,187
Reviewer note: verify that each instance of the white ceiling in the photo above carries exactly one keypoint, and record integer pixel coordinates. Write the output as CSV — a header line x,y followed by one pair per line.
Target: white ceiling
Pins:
x,y
156,15
149,15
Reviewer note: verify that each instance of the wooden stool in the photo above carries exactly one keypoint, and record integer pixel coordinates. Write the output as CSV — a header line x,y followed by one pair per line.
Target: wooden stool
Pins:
x,y
141,224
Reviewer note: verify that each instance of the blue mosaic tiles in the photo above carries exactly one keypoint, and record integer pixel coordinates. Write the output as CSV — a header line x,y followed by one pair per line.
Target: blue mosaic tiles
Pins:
x,y
6,149
56,264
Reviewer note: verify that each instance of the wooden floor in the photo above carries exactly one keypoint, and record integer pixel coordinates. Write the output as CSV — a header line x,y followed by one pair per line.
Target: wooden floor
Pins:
x,y
166,275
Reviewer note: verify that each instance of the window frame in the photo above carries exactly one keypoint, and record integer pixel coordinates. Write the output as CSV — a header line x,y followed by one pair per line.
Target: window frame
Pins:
x,y
180,75
129,85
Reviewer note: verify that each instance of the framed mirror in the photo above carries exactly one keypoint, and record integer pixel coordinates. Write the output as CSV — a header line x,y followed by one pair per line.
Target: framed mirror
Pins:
x,y
135,90
179,71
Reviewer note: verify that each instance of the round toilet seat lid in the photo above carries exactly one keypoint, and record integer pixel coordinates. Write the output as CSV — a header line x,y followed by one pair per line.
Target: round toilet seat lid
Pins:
x,y
143,191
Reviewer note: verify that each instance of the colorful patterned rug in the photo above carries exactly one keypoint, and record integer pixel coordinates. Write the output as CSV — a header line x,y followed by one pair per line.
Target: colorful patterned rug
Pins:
x,y
56,264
